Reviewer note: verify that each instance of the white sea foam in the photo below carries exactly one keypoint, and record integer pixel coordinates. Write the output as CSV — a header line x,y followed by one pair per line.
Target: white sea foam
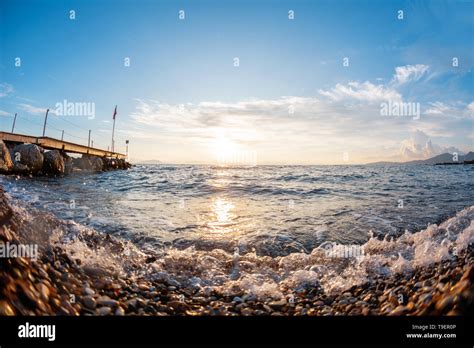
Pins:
x,y
263,276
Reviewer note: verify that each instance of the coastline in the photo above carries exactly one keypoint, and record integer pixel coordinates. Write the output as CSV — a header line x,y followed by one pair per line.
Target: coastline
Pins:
x,y
59,284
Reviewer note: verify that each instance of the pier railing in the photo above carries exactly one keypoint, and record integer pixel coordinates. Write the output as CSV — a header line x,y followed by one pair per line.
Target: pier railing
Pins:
x,y
57,144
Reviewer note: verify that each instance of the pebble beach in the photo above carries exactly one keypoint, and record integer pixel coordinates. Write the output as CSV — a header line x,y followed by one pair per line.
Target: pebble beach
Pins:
x,y
58,284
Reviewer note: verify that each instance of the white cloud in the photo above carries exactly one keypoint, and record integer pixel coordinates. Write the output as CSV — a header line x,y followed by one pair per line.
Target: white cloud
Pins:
x,y
5,89
420,146
470,109
218,114
34,110
409,73
365,92
458,110
345,117
4,113
437,108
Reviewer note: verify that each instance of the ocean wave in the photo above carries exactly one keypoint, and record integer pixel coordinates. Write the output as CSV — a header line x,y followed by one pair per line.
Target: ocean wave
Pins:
x,y
333,267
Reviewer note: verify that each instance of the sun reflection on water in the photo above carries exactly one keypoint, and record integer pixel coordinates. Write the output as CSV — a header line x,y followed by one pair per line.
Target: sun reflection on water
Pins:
x,y
222,211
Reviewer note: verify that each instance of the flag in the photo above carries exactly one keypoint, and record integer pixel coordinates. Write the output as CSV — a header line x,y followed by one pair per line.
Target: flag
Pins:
x,y
115,112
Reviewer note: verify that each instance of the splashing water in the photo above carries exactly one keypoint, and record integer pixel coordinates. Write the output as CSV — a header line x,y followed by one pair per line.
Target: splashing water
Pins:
x,y
264,231
265,276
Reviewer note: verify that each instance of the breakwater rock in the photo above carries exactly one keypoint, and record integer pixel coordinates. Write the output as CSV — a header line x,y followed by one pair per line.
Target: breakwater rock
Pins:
x,y
53,163
6,163
31,159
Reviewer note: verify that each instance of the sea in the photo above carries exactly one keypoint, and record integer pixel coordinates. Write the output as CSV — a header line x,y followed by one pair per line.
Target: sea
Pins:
x,y
266,230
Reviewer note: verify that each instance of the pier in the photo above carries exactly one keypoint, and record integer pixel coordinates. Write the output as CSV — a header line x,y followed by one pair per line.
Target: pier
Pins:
x,y
57,144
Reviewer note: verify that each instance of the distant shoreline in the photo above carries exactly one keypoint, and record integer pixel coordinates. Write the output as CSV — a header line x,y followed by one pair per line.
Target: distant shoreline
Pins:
x,y
443,159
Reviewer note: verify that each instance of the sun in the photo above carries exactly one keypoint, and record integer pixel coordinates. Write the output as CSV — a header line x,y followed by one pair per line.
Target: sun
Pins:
x,y
224,149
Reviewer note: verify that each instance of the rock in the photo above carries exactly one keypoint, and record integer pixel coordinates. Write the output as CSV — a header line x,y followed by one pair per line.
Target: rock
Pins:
x,y
110,163
89,302
97,163
53,163
410,306
132,304
400,310
6,309
425,298
461,286
6,163
103,311
27,159
418,285
89,163
119,311
246,312
396,299
469,274
44,291
150,259
88,291
277,305
115,163
68,164
249,298
445,303
81,163
177,305
106,301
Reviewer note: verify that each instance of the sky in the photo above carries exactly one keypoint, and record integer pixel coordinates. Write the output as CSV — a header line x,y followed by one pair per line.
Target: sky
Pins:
x,y
243,82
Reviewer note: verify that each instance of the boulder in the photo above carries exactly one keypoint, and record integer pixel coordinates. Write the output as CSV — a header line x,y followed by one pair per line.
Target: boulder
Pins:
x,y
27,158
81,163
90,163
97,163
6,163
53,163
106,163
68,164
110,163
121,163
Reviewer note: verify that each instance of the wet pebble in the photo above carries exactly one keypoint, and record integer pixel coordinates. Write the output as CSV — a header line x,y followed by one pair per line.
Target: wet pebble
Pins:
x,y
89,302
104,311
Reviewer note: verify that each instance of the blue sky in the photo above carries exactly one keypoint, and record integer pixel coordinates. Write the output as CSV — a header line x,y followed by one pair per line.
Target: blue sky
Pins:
x,y
290,100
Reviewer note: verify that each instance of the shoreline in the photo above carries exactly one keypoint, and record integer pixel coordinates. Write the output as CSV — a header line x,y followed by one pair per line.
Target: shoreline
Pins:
x,y
58,284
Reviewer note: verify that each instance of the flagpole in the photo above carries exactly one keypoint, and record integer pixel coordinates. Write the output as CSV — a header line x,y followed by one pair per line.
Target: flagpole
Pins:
x,y
113,130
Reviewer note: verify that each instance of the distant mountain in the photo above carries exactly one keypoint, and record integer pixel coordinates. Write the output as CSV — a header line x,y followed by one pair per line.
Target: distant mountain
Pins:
x,y
469,156
443,158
